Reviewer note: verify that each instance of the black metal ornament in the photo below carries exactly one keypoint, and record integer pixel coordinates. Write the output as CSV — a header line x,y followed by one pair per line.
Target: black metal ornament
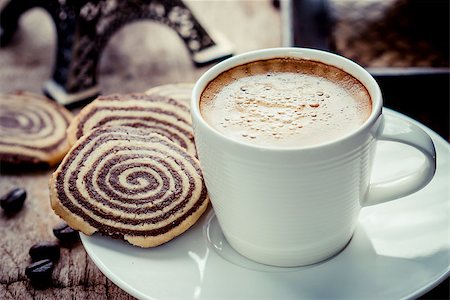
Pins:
x,y
84,27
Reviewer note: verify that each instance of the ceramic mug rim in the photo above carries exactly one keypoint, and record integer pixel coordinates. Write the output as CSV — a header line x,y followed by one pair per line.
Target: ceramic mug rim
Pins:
x,y
325,57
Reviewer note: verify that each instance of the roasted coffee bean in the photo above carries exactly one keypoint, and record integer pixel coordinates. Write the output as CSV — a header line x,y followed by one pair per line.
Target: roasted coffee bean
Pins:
x,y
65,233
40,272
13,200
43,250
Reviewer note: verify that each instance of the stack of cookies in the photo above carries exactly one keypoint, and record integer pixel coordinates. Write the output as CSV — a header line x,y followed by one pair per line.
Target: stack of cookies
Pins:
x,y
132,171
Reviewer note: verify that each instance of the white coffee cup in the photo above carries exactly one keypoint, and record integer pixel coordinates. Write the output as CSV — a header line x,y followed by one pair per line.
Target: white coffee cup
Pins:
x,y
293,207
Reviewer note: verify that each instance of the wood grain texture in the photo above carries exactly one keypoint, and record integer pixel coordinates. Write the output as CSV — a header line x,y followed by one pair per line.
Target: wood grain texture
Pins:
x,y
138,57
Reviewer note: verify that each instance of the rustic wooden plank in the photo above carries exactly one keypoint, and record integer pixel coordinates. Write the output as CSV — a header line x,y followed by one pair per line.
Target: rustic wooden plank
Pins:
x,y
138,57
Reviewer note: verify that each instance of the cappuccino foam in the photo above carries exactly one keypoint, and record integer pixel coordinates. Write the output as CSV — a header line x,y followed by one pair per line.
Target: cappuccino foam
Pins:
x,y
285,102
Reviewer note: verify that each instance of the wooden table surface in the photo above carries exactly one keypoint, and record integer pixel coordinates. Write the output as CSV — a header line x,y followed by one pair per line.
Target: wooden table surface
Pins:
x,y
138,57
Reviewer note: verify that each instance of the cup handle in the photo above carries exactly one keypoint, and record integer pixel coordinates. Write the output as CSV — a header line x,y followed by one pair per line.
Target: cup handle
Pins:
x,y
401,131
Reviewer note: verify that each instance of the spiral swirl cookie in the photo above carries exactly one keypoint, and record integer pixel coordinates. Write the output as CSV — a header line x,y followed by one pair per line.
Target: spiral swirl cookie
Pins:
x,y
32,129
155,113
178,91
127,183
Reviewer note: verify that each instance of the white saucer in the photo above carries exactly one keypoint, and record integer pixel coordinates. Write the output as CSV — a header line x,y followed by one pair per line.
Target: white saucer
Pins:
x,y
400,249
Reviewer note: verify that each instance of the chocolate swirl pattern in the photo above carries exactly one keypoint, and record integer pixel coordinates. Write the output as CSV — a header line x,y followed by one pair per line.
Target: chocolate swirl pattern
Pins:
x,y
32,129
127,183
155,113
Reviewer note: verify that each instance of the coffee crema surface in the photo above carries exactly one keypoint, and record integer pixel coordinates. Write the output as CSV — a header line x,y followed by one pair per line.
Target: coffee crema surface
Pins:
x,y
285,102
